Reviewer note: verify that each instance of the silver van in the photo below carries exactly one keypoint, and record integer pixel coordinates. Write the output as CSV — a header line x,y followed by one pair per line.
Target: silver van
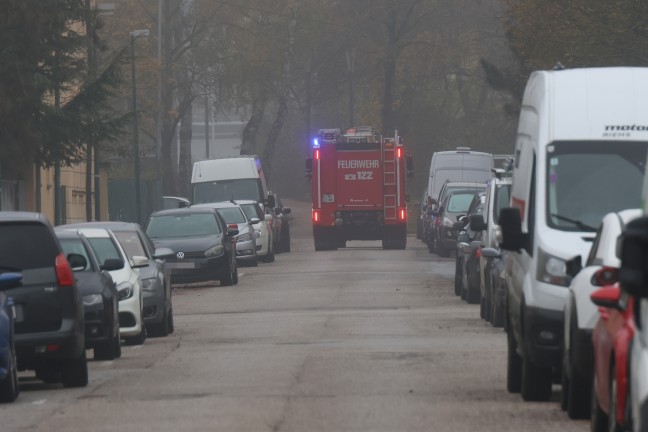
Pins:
x,y
460,165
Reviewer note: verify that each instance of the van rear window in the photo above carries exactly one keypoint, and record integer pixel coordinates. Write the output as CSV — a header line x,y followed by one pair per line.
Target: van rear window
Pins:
x,y
26,246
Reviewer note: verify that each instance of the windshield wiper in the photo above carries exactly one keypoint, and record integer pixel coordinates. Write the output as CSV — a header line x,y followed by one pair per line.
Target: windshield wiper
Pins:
x,y
576,222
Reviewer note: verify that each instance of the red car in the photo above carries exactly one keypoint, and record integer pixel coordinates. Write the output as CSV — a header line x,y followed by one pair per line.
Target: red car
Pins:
x,y
612,337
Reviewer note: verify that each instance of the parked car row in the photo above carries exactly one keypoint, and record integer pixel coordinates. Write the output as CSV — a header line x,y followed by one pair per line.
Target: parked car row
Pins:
x,y
561,255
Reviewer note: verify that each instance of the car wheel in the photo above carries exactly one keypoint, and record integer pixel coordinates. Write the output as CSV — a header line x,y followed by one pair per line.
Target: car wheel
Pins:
x,y
138,339
458,281
269,257
235,275
482,308
170,319
47,373
228,279
430,244
497,311
564,389
286,240
578,390
473,296
536,381
513,365
117,343
161,329
599,420
74,372
612,425
442,250
9,388
107,350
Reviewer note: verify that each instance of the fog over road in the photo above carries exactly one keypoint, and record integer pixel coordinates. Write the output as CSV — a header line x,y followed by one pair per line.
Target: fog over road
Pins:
x,y
355,339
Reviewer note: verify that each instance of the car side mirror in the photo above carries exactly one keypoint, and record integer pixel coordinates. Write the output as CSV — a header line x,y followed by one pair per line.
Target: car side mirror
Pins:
x,y
287,210
633,274
162,253
608,297
139,261
491,253
270,201
255,221
112,264
77,262
513,239
10,280
463,238
458,225
277,211
477,223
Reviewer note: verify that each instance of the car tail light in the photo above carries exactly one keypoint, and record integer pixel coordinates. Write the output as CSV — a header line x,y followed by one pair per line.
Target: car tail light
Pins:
x,y
605,276
478,253
64,274
316,215
232,226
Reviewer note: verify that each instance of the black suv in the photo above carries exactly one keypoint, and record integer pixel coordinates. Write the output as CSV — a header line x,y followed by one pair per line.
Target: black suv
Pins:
x,y
49,326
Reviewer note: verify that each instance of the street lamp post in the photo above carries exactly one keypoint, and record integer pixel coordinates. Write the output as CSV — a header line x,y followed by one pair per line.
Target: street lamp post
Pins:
x,y
138,204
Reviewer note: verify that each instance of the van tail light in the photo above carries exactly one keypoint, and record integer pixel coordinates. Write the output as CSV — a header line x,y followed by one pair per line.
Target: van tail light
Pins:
x,y
605,276
316,215
64,274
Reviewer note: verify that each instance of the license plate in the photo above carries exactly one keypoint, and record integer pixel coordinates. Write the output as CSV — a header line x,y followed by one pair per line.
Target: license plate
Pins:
x,y
19,314
328,198
181,265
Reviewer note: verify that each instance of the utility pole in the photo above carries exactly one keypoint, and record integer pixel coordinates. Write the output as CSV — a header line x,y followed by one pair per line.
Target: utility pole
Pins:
x,y
57,162
207,128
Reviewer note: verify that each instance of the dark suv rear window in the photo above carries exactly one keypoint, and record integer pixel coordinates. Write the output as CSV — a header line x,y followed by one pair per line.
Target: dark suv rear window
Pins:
x,y
27,246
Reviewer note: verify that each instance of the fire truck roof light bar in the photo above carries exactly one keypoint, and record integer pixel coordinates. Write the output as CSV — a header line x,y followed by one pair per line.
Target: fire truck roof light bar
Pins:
x,y
316,143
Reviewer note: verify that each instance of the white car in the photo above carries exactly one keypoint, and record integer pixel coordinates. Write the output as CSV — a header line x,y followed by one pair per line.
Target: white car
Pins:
x,y
601,269
263,230
129,285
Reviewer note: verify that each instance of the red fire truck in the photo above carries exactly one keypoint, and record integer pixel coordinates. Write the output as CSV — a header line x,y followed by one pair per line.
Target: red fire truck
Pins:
x,y
358,183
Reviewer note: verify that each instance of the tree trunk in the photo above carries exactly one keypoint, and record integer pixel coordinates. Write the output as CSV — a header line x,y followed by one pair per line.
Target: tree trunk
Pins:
x,y
184,169
248,144
273,136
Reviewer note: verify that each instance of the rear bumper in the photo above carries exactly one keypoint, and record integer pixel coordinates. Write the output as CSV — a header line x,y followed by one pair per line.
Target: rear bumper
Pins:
x,y
199,270
67,342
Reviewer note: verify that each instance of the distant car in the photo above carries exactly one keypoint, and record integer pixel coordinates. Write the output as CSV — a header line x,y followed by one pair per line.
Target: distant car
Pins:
x,y
451,209
157,309
204,246
9,388
612,338
421,215
281,225
498,196
432,224
99,294
581,315
129,283
263,230
49,310
246,247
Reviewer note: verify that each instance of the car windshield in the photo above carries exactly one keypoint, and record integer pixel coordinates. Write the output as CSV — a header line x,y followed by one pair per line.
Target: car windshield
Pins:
x,y
76,246
225,190
459,202
131,243
252,211
587,180
502,199
104,248
183,225
232,215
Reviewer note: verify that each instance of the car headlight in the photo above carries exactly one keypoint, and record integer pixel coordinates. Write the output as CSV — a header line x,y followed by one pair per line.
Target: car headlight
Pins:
x,y
125,290
149,285
245,237
215,251
552,269
92,299
257,233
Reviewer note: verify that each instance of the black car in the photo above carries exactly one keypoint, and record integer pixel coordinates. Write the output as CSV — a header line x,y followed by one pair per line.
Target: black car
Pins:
x,y
157,309
452,208
99,295
203,246
49,325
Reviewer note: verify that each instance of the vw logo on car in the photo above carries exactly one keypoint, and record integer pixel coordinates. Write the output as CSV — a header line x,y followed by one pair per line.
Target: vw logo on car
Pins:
x,y
180,255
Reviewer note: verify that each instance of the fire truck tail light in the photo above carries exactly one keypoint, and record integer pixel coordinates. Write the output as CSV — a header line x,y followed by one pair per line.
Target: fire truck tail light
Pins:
x,y
399,152
401,214
316,215
317,154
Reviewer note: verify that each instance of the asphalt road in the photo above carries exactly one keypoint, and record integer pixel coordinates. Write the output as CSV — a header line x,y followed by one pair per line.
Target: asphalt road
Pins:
x,y
358,339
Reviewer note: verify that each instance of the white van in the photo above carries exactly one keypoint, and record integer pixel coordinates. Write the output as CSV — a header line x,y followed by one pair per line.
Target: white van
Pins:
x,y
461,165
236,178
580,153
